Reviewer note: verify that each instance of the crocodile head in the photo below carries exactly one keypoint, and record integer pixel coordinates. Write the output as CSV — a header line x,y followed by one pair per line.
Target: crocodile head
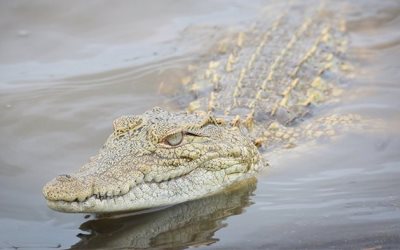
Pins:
x,y
156,159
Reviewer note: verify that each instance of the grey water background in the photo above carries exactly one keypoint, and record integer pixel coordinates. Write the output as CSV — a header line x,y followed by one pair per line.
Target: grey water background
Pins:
x,y
67,69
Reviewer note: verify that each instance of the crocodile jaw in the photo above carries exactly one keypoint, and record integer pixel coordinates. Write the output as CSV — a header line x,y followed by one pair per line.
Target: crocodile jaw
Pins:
x,y
198,184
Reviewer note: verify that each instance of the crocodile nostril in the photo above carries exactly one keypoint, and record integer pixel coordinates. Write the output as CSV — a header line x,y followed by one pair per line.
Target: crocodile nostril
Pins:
x,y
68,188
64,178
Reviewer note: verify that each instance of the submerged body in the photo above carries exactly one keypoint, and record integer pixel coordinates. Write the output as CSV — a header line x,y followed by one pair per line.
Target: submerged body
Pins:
x,y
254,94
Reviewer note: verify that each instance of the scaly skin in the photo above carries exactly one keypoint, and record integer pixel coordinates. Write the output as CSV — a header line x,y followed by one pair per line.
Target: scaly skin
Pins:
x,y
253,95
137,168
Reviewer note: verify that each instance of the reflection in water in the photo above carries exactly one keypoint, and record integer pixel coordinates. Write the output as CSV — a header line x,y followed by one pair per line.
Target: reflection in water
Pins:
x,y
187,224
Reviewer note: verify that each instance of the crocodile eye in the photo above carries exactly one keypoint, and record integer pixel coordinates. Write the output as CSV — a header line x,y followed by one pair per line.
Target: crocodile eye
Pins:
x,y
174,139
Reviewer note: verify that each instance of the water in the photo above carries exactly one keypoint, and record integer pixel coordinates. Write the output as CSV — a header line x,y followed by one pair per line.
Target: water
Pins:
x,y
68,69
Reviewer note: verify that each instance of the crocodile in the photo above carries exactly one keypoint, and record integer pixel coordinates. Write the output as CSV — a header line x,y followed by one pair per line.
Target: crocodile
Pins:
x,y
257,91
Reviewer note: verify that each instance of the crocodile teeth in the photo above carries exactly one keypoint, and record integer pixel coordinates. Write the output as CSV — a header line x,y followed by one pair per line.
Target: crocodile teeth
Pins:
x,y
81,198
102,192
148,177
159,178
124,189
139,180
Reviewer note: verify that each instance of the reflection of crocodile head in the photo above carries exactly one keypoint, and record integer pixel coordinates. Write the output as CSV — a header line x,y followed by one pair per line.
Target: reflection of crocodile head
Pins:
x,y
157,159
182,225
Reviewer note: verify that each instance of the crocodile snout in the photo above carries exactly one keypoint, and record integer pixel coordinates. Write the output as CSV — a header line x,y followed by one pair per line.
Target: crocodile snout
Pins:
x,y
68,188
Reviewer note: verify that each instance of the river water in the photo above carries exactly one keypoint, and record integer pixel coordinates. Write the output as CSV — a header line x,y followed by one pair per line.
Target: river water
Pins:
x,y
67,69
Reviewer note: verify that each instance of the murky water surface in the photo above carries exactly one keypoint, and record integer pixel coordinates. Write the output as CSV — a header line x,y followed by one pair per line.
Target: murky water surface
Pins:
x,y
67,69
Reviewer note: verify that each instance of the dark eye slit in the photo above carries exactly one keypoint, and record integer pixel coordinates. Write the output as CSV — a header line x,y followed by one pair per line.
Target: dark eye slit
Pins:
x,y
192,133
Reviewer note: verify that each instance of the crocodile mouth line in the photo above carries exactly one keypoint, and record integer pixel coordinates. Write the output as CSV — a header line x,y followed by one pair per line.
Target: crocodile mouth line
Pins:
x,y
113,197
